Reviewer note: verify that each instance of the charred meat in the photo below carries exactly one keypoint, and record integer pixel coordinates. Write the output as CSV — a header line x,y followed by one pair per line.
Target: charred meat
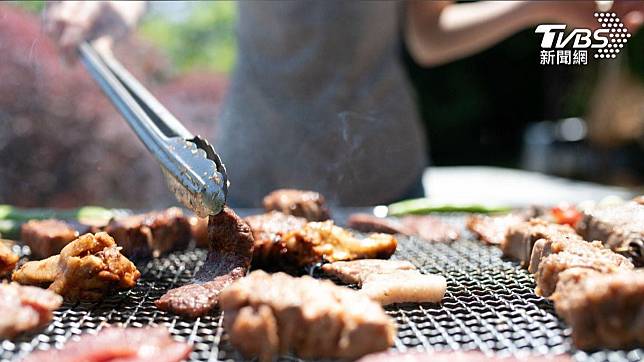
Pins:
x,y
492,229
86,269
25,308
604,310
115,344
307,204
521,237
8,259
427,227
389,281
231,250
47,237
620,227
151,234
268,230
309,317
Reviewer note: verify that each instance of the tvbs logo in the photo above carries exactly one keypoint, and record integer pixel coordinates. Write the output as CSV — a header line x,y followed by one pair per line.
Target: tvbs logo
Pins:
x,y
561,48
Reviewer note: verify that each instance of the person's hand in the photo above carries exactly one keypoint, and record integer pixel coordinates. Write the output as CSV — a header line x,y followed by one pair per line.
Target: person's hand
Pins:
x,y
579,14
71,22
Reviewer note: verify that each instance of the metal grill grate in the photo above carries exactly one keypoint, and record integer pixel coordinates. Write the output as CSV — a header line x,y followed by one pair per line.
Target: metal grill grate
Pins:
x,y
490,306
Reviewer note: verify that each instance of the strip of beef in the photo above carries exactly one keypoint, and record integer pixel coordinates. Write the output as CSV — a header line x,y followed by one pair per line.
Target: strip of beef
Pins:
x,y
288,241
492,229
270,314
307,204
86,269
151,234
427,227
620,227
520,238
8,259
116,344
593,256
389,281
25,308
47,237
472,356
604,310
229,257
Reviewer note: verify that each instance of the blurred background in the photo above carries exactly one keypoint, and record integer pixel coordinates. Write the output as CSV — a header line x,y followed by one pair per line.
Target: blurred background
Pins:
x,y
63,145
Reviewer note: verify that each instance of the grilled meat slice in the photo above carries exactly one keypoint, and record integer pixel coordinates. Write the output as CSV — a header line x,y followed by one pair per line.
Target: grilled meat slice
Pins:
x,y
8,259
307,204
389,281
116,344
25,308
288,241
86,269
604,310
592,256
47,237
231,250
152,233
620,227
521,237
356,271
472,356
492,229
312,318
427,227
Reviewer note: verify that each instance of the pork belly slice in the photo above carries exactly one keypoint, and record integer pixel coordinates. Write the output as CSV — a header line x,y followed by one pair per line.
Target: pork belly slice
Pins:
x,y
231,250
427,227
521,237
271,314
25,308
307,204
620,227
472,356
389,281
591,256
116,344
289,241
151,234
47,237
88,268
8,259
492,229
604,310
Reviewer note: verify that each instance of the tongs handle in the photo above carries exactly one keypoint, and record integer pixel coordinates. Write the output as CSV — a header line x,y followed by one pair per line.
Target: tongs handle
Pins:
x,y
192,168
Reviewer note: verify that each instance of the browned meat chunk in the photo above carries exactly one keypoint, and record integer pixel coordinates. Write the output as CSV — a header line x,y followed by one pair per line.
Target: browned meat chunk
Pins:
x,y
307,204
591,256
231,250
115,344
86,269
284,240
312,318
389,281
604,310
25,308
492,229
427,227
47,237
472,356
620,227
8,259
151,234
521,237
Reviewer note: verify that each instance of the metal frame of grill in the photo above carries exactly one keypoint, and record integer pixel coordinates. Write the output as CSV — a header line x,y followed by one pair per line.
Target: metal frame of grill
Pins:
x,y
490,306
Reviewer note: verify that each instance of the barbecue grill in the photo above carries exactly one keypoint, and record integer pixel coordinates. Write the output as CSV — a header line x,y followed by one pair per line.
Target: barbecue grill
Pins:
x,y
490,306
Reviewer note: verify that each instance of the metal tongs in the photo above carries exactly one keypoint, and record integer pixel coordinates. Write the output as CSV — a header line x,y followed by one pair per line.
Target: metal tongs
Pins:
x,y
193,170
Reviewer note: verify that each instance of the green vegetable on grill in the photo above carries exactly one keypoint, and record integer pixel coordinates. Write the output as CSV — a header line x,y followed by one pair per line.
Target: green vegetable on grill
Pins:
x,y
425,206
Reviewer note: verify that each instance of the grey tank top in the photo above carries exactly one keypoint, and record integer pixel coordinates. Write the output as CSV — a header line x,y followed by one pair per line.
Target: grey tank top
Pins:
x,y
319,100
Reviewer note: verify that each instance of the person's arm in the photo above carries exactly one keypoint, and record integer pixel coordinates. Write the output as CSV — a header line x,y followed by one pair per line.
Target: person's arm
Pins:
x,y
437,32
71,22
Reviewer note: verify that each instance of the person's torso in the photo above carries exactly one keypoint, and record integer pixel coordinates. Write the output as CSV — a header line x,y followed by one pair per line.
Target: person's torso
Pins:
x,y
319,100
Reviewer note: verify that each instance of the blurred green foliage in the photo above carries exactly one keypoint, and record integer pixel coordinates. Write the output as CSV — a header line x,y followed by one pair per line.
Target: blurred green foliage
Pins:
x,y
204,38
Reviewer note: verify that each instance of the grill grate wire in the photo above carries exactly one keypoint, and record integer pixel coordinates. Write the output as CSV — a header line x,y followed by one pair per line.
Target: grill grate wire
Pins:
x,y
489,306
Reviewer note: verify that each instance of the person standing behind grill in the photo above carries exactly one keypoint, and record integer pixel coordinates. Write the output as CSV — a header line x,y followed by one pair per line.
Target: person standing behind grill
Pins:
x,y
319,98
